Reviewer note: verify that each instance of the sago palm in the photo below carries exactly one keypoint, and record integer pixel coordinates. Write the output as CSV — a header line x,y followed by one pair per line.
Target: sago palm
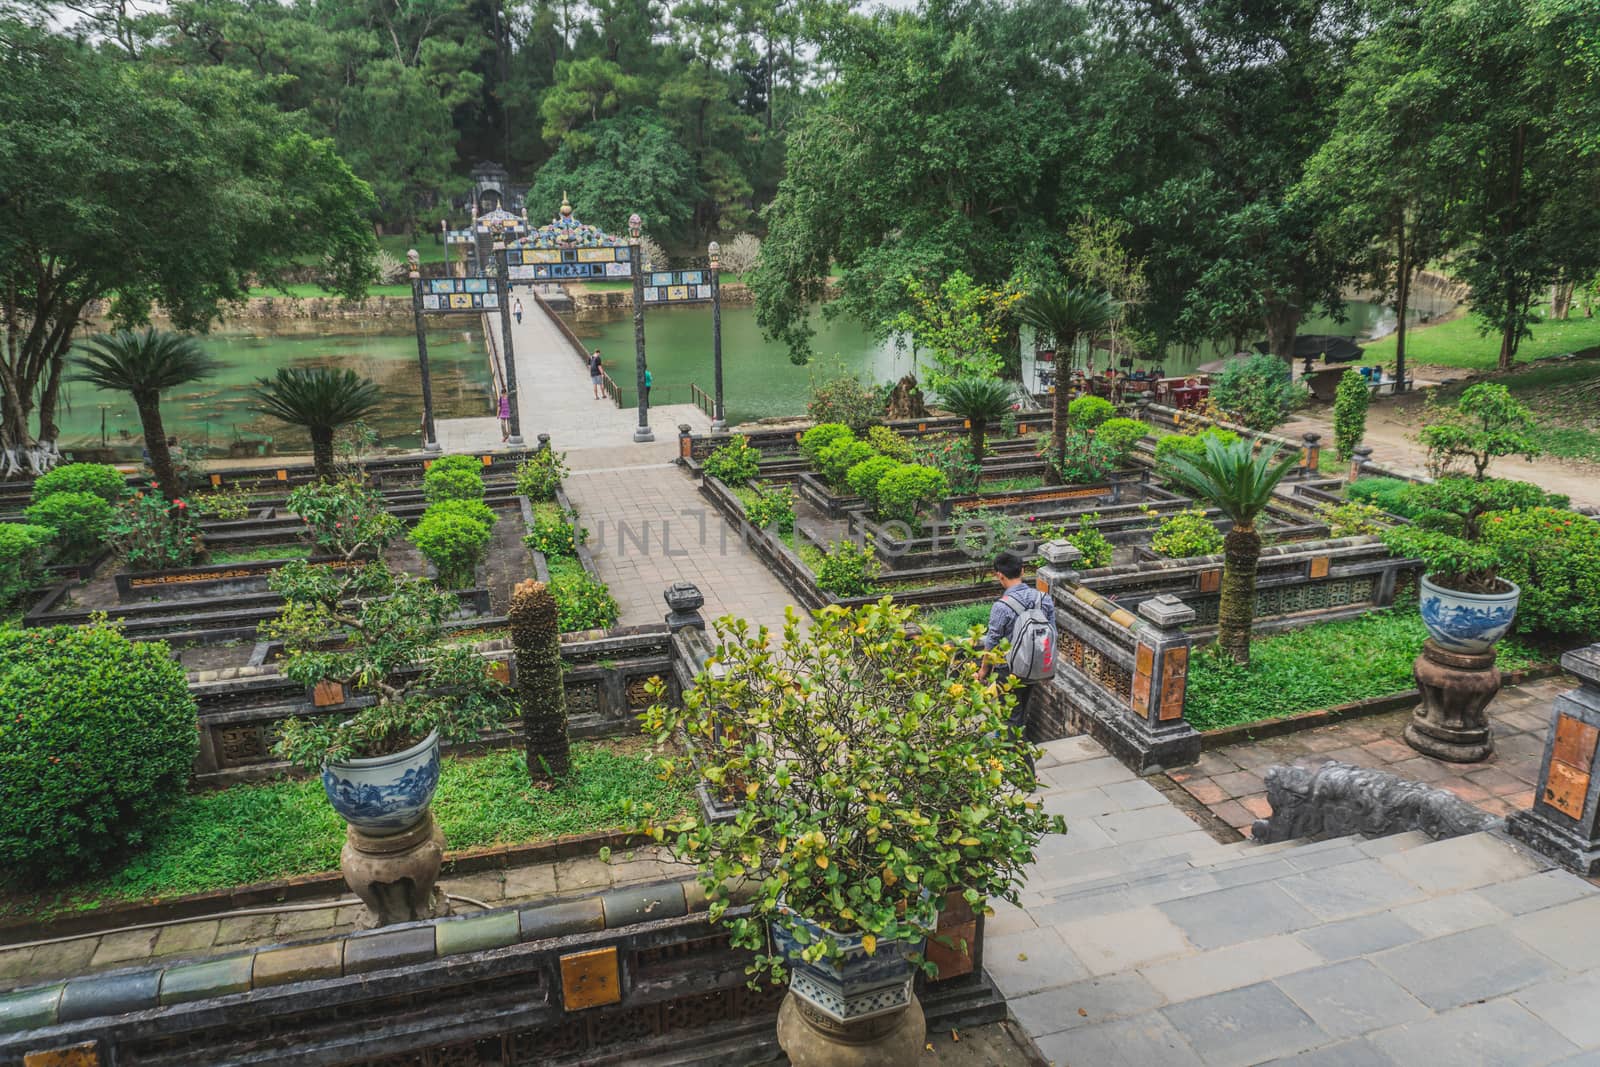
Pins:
x,y
319,398
980,401
1238,481
145,364
1066,314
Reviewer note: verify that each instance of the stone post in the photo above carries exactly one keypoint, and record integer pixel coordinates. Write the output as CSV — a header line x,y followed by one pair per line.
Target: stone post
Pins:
x,y
1313,453
684,601
642,433
1452,720
719,419
1362,455
508,354
1057,572
430,443
1564,822
1161,668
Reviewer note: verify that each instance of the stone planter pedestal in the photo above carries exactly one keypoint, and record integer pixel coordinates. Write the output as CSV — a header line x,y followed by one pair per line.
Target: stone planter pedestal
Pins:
x,y
812,1039
394,875
1452,722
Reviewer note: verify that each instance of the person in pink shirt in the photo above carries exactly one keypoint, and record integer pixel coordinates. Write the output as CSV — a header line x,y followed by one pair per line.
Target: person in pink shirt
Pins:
x,y
504,413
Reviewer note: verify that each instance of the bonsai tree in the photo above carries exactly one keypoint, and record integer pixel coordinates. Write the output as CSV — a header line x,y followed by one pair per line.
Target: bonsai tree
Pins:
x,y
322,400
536,640
1238,481
980,401
1486,423
146,364
874,774
1447,533
1066,314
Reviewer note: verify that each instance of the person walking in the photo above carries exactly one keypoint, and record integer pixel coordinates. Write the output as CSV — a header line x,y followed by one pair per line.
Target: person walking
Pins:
x,y
516,311
1027,618
647,387
596,374
503,412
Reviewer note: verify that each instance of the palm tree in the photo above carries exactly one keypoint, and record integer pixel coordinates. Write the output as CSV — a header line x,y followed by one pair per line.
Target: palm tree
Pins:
x,y
979,401
1066,313
146,364
319,398
1239,482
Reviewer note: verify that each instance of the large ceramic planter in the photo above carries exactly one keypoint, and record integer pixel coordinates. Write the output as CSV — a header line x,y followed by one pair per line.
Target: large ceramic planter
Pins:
x,y
1468,623
385,795
854,987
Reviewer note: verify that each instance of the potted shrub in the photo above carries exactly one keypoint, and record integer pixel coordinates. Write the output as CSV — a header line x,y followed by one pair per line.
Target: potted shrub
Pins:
x,y
875,778
1465,603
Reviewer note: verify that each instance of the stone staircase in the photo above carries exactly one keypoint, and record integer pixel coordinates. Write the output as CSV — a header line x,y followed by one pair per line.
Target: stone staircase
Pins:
x,y
1144,941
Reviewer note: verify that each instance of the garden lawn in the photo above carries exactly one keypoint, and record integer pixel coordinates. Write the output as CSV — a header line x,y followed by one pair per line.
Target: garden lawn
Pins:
x,y
1457,343
1317,667
299,292
957,621
269,830
257,552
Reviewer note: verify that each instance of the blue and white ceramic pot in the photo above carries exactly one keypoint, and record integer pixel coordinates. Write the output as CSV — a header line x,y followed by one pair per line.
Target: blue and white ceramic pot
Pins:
x,y
853,987
1467,622
385,795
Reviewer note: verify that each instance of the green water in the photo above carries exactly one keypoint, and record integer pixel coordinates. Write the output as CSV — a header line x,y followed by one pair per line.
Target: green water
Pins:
x,y
216,412
760,382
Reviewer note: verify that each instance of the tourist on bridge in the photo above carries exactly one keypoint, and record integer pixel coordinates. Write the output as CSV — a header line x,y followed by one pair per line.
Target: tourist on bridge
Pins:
x,y
596,375
516,310
504,413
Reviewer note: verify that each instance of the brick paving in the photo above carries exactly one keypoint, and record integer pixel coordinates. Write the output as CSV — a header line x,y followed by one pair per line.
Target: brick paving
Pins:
x,y
1227,780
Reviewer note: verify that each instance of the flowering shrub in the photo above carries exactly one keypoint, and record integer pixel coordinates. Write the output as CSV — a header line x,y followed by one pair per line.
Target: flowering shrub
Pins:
x,y
845,398
1092,543
735,463
772,509
24,552
582,602
952,457
1085,458
101,479
891,444
1352,518
1554,555
555,533
80,520
153,535
1187,533
848,568
226,504
346,518
540,474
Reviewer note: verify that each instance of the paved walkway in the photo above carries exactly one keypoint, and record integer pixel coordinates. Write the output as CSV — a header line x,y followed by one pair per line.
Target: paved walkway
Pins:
x,y
1141,942
1227,780
579,877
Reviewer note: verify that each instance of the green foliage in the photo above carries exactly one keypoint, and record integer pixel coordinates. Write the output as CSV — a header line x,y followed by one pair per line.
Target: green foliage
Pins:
x,y
891,444
844,398
960,323
1450,561
1323,665
229,505
1120,435
1186,533
957,622
582,601
1353,518
535,624
539,476
321,399
1554,556
1085,459
1066,315
907,489
152,533
952,457
25,551
475,510
874,771
1258,392
981,401
454,543
835,461
820,436
453,478
1449,526
1350,413
99,739
1088,539
1486,423
773,508
1087,412
346,518
864,477
986,531
101,479
1391,494
735,463
80,521
848,568
555,532
1174,444
1233,477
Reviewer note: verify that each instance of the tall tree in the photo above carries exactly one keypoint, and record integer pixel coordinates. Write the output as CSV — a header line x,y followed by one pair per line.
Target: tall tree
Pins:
x,y
322,400
170,188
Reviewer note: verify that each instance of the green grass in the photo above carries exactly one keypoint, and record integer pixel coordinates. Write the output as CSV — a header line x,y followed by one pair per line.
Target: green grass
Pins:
x,y
428,250
303,292
1012,485
1457,343
1562,395
957,621
258,552
1317,667
269,830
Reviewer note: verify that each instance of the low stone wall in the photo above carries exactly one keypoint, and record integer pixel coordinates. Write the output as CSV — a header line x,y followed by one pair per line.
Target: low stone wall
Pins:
x,y
785,441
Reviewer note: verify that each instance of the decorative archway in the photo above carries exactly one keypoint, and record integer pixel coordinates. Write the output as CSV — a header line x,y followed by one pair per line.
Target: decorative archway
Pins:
x,y
569,250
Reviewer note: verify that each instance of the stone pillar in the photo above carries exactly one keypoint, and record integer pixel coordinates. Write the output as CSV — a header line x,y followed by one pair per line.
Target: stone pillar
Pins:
x,y
1313,453
1161,669
1452,722
508,354
394,876
1057,572
719,418
1362,455
1564,822
684,601
641,433
430,443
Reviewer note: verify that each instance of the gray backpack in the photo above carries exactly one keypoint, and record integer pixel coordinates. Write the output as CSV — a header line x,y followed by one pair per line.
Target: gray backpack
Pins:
x,y
1032,656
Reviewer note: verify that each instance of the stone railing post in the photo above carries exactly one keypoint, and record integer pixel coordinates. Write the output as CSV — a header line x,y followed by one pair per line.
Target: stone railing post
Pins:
x,y
1361,457
1564,822
1313,454
684,601
1057,572
685,442
1161,664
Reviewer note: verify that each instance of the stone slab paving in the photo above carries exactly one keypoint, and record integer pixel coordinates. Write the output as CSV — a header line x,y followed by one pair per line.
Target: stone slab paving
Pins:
x,y
1227,780
1167,947
569,878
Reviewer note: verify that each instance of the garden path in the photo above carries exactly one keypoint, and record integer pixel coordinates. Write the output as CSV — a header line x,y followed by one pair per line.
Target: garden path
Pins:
x,y
1141,941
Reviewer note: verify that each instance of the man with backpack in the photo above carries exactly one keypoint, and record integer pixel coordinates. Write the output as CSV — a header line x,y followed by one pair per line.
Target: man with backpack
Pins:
x,y
1027,618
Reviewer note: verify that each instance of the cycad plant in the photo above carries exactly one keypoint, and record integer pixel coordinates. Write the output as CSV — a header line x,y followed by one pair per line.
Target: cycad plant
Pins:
x,y
319,398
1066,313
145,364
980,401
1239,482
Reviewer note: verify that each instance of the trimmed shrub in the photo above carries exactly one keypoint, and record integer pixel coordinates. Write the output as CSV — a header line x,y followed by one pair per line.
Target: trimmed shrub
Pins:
x,y
476,510
907,489
554,533
582,602
1352,518
80,521
1391,494
891,444
847,569
845,398
819,437
1092,543
772,509
1191,444
1350,413
1188,533
1120,435
1085,458
735,463
454,544
864,477
101,479
154,535
1087,412
835,461
24,552
1554,555
539,476
453,478
99,737
1258,392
